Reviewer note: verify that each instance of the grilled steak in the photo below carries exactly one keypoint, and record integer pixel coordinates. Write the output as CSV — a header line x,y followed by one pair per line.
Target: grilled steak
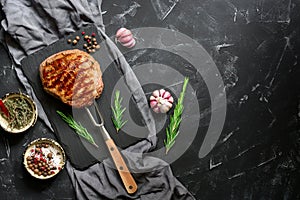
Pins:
x,y
73,76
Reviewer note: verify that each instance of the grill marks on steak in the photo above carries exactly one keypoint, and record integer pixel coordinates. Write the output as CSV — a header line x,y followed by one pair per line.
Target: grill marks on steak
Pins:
x,y
72,76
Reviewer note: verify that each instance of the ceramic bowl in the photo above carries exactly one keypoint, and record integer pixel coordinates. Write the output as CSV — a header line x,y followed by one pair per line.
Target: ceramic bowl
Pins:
x,y
4,122
44,158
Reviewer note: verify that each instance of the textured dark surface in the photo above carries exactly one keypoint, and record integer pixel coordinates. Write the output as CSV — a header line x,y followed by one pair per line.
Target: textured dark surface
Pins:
x,y
255,45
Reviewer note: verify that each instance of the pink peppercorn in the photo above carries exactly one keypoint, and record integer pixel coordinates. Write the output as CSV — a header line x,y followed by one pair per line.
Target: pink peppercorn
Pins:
x,y
82,33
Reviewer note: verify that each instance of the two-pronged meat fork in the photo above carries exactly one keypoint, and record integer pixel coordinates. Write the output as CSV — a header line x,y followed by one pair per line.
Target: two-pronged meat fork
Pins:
x,y
119,162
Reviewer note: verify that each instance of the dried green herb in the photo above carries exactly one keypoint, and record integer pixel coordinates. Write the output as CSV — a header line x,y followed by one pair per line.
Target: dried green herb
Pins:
x,y
172,130
118,111
79,129
20,112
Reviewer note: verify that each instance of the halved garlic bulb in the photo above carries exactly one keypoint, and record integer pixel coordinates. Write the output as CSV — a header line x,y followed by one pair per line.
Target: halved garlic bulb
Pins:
x,y
161,101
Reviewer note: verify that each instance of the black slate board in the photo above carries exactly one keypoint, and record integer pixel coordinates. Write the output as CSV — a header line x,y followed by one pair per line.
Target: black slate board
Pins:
x,y
80,153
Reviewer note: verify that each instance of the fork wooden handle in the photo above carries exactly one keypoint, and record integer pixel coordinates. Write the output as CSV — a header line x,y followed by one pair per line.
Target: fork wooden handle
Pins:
x,y
128,181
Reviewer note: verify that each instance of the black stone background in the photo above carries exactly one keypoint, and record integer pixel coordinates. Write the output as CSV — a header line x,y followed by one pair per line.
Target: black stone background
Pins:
x,y
258,153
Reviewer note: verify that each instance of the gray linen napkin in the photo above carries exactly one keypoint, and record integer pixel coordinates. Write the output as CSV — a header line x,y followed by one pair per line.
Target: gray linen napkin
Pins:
x,y
32,25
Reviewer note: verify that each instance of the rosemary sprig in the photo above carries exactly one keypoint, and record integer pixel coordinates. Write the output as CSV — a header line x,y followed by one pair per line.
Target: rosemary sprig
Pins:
x,y
79,129
118,111
172,130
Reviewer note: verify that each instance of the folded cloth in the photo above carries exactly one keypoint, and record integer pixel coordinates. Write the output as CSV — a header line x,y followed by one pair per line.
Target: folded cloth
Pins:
x,y
32,25
154,179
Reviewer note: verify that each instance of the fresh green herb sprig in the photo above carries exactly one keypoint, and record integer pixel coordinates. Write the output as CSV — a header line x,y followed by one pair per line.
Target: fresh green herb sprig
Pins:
x,y
79,129
172,130
118,111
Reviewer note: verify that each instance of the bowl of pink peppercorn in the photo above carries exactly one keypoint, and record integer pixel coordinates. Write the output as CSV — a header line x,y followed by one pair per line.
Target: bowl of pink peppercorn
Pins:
x,y
44,158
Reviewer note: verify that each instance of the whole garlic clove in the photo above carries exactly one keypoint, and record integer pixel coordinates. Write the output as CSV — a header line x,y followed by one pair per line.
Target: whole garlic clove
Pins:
x,y
125,37
161,101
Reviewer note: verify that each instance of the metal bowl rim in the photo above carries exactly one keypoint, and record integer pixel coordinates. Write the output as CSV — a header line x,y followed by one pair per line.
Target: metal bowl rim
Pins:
x,y
35,116
38,140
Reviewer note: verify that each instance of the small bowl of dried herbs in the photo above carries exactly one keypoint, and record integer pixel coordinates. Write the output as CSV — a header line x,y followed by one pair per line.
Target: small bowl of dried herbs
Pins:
x,y
18,112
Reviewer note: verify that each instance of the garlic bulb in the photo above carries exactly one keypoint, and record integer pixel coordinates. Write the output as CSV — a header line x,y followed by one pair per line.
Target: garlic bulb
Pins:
x,y
161,101
125,37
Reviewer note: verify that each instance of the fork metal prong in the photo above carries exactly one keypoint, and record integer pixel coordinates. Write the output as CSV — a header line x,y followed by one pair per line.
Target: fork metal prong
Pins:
x,y
103,131
92,118
98,112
